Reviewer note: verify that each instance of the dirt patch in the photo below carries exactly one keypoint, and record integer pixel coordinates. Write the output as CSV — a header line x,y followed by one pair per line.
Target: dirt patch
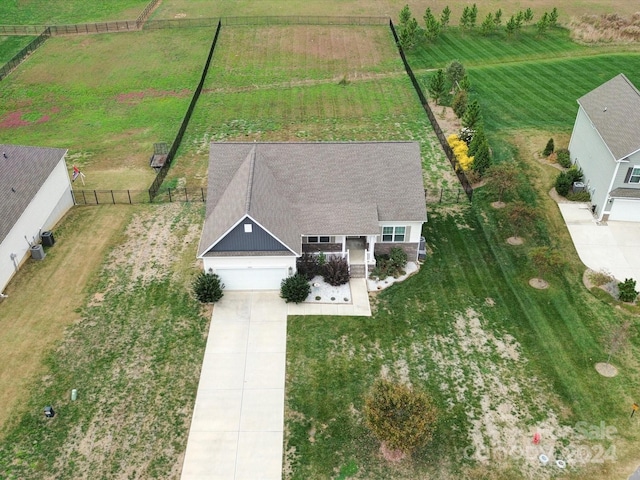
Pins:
x,y
446,118
606,369
515,240
133,98
13,120
498,205
390,455
609,28
539,283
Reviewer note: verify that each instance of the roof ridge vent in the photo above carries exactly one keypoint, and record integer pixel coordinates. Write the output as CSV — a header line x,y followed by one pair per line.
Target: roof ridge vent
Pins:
x,y
252,167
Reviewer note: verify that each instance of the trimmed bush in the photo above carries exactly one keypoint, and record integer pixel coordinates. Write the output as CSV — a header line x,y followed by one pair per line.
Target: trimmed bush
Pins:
x,y
391,265
336,271
627,290
401,418
564,158
207,287
397,258
565,180
308,266
459,104
548,150
295,289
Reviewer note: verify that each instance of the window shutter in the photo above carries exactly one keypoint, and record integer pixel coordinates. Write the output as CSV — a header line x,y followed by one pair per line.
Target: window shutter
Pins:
x,y
628,175
407,232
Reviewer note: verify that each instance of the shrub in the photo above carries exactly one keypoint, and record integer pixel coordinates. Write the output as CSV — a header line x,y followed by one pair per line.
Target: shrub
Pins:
x,y
600,278
391,265
397,258
627,290
399,416
583,196
307,265
564,158
295,289
548,150
336,271
207,287
460,150
563,183
459,104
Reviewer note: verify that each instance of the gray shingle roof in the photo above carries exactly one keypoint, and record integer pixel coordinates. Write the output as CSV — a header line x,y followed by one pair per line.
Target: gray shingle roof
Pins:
x,y
614,110
296,189
24,170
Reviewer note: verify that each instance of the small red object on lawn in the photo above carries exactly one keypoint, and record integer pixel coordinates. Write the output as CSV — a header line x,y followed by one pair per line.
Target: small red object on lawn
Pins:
x,y
536,438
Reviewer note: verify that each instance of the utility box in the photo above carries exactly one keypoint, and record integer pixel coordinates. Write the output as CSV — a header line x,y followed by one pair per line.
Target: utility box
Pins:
x,y
48,411
37,252
422,249
47,239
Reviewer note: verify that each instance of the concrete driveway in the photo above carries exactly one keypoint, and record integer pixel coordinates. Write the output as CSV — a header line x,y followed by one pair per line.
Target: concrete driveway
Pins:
x,y
612,246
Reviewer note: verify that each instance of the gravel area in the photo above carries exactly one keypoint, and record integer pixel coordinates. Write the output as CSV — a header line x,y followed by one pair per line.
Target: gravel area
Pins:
x,y
322,292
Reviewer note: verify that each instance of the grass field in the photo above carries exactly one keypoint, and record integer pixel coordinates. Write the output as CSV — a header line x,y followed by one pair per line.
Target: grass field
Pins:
x,y
306,84
501,360
11,45
107,98
132,347
206,8
60,12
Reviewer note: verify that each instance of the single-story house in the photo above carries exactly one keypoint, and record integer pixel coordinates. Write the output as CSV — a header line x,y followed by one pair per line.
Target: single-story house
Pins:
x,y
35,192
268,203
605,144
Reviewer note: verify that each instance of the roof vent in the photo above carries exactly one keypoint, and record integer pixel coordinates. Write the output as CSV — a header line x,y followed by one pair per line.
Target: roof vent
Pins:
x,y
605,109
4,155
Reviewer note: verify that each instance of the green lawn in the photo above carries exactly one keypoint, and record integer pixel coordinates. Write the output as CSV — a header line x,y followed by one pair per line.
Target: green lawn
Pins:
x,y
107,98
501,360
58,12
11,45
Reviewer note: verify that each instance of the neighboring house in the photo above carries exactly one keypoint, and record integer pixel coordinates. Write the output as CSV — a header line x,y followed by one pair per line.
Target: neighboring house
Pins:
x,y
605,144
35,192
267,203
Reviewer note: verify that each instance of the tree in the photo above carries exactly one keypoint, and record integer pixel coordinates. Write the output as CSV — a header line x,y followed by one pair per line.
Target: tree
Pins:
x,y
432,26
502,179
482,158
497,18
445,17
487,26
528,15
519,20
478,137
295,288
546,260
401,417
409,34
437,87
464,19
543,24
405,16
473,16
472,115
520,216
459,103
548,150
207,287
553,18
511,26
465,84
455,72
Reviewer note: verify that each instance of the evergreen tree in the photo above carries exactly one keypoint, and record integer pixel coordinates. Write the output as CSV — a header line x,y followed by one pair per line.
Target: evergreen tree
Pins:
x,y
437,86
472,115
519,20
409,34
548,150
487,26
497,18
511,26
465,84
432,26
459,103
455,72
464,19
405,16
478,138
445,17
528,15
482,158
473,16
553,18
543,24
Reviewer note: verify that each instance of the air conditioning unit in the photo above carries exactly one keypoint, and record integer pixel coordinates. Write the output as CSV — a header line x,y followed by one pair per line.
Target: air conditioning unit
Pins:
x,y
37,252
579,187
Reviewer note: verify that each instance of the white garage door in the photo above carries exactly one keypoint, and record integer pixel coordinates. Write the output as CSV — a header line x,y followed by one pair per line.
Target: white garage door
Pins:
x,y
625,210
252,278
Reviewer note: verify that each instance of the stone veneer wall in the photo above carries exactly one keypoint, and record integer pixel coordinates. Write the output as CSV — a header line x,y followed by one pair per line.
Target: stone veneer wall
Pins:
x,y
411,249
321,247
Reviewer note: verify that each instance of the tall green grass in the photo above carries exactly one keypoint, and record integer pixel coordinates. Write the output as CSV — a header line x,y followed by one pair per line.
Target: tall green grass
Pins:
x,y
11,45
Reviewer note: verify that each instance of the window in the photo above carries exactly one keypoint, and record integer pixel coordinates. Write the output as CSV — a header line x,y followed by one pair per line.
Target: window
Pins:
x,y
318,239
248,228
393,234
635,175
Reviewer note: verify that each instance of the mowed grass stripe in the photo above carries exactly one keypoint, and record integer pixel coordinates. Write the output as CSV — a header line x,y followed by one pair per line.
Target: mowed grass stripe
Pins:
x,y
543,94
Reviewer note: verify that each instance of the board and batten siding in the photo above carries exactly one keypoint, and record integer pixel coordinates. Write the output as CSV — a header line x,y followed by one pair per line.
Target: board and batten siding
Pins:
x,y
47,207
258,240
589,152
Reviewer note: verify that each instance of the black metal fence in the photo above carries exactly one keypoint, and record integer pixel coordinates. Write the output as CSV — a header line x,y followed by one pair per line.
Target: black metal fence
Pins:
x,y
445,195
130,197
466,185
23,30
162,173
305,20
144,15
22,54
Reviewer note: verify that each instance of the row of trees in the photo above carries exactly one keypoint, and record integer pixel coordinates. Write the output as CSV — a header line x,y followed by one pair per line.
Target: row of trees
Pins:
x,y
411,34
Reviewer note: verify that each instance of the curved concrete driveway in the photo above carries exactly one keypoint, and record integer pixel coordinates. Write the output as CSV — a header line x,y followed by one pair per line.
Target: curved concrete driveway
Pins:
x,y
612,246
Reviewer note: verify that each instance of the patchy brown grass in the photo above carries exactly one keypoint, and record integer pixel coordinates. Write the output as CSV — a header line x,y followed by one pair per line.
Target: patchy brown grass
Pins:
x,y
609,28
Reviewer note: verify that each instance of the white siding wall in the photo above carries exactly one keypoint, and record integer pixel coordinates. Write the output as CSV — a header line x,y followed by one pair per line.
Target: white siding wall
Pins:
x,y
634,161
589,152
249,262
415,230
48,206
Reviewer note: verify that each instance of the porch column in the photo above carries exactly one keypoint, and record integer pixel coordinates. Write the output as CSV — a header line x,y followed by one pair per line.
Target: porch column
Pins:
x,y
371,240
344,244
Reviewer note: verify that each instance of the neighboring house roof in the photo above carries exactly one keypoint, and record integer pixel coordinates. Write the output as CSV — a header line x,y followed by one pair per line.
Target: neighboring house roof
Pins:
x,y
22,174
614,110
625,193
296,189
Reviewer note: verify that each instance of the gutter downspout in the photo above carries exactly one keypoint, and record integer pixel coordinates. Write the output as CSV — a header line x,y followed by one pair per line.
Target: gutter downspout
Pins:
x,y
606,201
